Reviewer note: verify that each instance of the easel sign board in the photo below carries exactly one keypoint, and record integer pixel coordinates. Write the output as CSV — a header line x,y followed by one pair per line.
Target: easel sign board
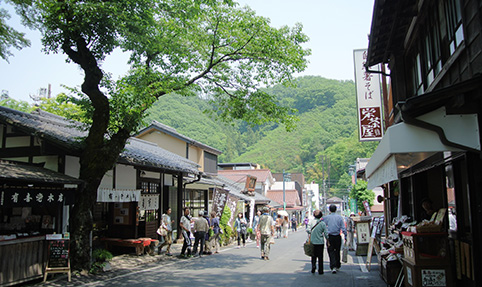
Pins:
x,y
58,257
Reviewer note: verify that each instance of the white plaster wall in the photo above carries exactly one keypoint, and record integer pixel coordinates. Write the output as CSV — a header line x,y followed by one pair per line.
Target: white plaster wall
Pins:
x,y
51,162
72,166
125,177
17,142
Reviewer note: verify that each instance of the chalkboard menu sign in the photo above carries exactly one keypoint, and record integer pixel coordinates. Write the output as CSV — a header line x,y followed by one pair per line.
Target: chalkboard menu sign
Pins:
x,y
58,253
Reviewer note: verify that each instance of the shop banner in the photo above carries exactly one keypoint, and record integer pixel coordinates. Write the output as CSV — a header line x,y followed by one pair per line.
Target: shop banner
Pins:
x,y
35,197
118,195
231,203
369,101
149,202
220,196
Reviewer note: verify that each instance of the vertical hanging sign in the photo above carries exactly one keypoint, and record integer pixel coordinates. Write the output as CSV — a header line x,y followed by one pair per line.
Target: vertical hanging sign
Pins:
x,y
369,102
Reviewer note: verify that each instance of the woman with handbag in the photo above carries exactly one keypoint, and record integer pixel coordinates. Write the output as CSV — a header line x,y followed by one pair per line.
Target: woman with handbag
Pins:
x,y
165,230
317,233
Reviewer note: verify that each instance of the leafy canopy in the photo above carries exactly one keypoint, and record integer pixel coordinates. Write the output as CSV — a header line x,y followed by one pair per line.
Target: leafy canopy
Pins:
x,y
210,47
361,193
9,37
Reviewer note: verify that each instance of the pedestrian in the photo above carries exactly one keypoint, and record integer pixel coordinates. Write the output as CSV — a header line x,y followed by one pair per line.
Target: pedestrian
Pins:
x,y
317,232
294,223
166,223
185,225
241,226
306,221
351,231
335,225
216,231
201,227
207,243
285,226
266,229
255,227
279,222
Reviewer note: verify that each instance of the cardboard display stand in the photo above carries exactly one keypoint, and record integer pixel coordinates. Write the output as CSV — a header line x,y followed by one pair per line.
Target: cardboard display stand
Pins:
x,y
58,255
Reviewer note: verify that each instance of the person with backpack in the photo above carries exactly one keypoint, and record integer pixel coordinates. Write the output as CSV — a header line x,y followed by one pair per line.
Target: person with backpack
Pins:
x,y
241,226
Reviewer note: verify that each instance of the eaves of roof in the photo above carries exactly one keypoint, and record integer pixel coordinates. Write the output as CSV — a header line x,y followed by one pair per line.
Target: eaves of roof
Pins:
x,y
390,23
26,173
68,135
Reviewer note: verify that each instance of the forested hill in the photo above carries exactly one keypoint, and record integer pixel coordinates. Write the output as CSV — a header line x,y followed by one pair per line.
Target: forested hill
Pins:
x,y
326,130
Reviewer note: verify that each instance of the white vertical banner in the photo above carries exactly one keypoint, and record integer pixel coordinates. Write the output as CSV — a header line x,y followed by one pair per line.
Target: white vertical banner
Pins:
x,y
369,100
149,202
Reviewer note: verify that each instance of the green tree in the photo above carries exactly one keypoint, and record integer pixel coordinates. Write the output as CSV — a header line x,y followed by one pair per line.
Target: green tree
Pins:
x,y
9,37
360,193
63,106
184,46
8,102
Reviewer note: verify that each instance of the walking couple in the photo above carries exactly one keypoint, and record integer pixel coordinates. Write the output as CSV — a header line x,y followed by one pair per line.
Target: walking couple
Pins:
x,y
328,228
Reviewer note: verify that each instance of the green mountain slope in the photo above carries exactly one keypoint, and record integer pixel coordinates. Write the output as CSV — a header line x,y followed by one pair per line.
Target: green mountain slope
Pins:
x,y
327,129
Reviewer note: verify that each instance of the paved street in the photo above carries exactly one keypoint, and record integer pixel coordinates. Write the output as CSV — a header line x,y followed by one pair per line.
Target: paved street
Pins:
x,y
288,266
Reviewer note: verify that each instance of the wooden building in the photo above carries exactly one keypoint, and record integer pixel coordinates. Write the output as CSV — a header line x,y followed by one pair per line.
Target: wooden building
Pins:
x,y
49,146
433,49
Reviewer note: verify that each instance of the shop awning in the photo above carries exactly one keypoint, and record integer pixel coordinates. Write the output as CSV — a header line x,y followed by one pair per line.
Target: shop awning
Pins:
x,y
405,145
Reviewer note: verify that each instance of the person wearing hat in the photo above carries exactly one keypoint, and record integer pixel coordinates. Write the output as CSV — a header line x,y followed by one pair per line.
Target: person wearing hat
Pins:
x,y
266,229
201,226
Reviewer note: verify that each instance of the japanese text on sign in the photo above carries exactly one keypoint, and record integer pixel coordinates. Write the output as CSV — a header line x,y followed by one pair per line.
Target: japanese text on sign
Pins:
x,y
368,99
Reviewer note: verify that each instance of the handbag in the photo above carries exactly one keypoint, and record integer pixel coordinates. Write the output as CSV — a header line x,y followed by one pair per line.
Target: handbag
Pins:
x,y
344,256
271,240
161,231
308,248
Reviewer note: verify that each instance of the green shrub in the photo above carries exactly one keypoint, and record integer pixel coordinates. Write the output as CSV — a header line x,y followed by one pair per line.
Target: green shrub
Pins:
x,y
101,258
225,237
101,255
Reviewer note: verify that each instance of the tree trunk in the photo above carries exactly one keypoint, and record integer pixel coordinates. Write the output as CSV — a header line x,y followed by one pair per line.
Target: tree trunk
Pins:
x,y
94,163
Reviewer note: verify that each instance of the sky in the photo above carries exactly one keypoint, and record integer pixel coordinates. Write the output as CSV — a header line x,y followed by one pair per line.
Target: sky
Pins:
x,y
335,29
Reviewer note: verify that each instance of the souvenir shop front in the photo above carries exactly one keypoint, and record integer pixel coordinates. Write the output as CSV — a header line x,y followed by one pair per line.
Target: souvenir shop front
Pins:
x,y
431,202
34,202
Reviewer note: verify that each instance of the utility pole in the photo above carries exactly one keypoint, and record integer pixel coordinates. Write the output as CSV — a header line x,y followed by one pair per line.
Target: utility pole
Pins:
x,y
285,176
284,191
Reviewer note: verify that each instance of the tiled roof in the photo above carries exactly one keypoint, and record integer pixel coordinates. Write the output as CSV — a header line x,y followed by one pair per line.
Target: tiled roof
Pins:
x,y
68,134
261,174
291,196
237,188
21,172
172,131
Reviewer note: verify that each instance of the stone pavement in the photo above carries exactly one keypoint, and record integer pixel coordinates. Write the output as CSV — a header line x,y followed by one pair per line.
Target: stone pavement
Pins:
x,y
130,263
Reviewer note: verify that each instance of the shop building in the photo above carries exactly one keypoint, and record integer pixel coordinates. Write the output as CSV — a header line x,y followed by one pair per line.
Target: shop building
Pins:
x,y
40,162
431,148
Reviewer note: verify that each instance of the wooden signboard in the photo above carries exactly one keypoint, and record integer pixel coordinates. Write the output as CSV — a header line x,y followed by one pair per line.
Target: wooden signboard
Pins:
x,y
376,226
58,257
